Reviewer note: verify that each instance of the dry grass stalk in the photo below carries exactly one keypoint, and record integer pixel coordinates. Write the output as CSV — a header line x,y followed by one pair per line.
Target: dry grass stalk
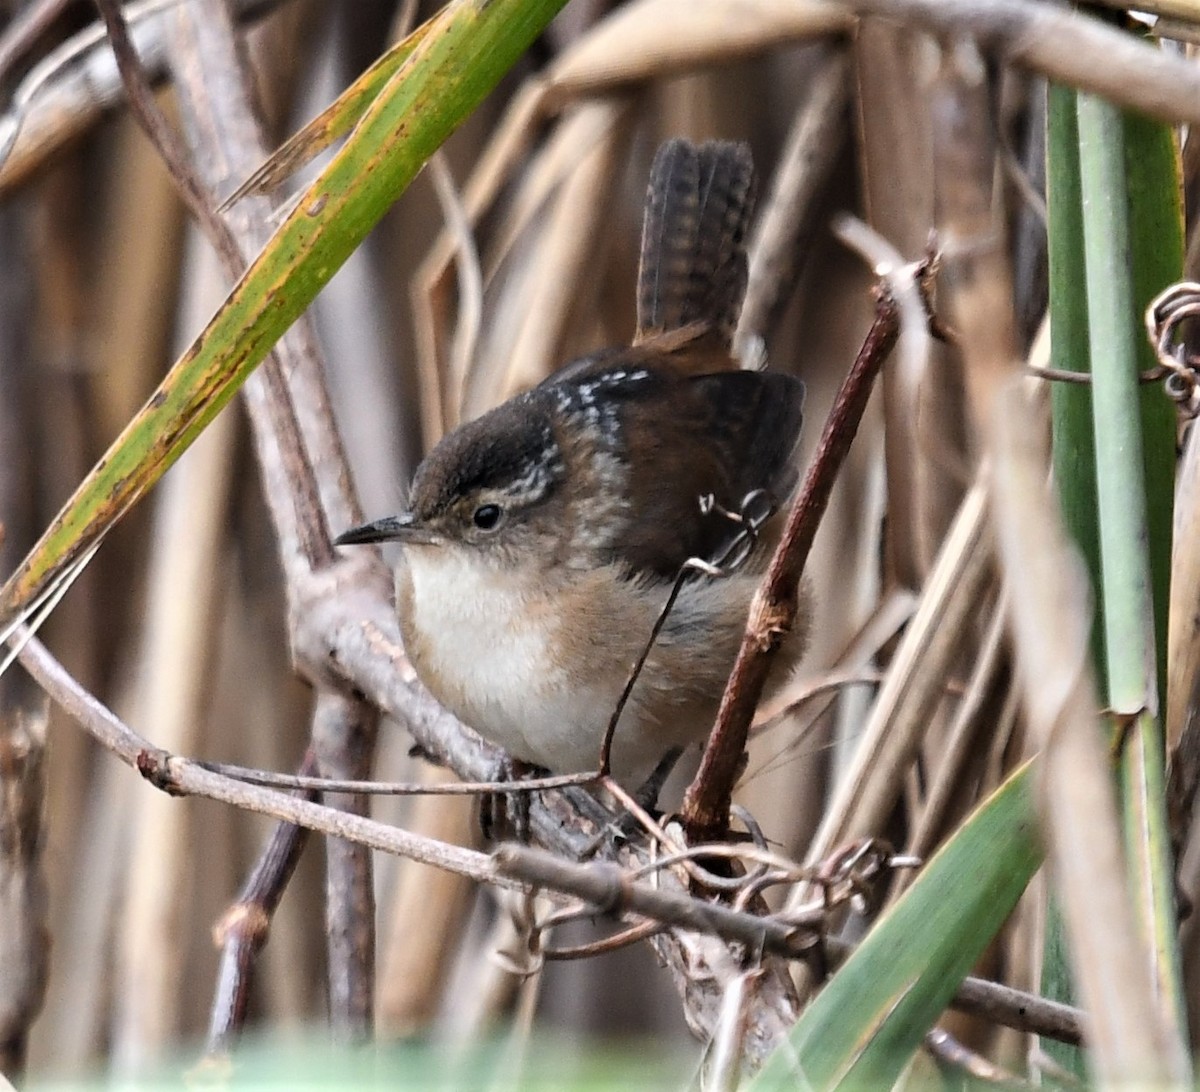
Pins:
x,y
542,188
24,948
914,684
172,695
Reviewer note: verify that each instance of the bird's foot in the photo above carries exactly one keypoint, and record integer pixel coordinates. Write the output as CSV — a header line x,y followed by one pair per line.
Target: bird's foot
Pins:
x,y
504,816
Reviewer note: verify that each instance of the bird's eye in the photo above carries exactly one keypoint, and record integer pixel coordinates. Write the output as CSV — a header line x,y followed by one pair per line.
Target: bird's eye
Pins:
x,y
487,516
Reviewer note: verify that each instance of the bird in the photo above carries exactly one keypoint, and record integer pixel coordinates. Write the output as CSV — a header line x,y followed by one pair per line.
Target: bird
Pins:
x,y
542,539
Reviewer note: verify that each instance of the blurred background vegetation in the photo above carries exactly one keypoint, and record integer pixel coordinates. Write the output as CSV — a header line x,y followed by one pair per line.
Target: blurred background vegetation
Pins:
x,y
180,624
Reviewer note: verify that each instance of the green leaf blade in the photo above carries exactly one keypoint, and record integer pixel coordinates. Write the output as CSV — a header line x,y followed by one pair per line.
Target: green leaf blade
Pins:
x,y
458,60
864,1026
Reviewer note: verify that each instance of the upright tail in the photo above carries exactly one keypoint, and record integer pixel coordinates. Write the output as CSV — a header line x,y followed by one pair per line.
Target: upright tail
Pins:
x,y
693,261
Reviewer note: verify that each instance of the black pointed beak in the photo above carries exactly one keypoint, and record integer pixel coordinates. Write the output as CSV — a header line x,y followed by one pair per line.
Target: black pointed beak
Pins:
x,y
402,528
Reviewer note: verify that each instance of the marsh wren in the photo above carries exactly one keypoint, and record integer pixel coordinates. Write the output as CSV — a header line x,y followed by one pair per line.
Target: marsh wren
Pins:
x,y
543,538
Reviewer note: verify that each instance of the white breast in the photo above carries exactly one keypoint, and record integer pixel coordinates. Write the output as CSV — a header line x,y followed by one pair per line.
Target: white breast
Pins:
x,y
486,644
473,627
483,641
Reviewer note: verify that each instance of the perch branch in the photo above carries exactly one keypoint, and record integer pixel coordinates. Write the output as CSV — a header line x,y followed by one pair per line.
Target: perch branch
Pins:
x,y
612,892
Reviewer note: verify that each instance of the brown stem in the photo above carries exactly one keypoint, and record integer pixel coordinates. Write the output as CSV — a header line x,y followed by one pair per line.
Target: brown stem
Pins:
x,y
613,892
610,889
773,610
245,925
344,743
25,944
367,787
140,97
961,1064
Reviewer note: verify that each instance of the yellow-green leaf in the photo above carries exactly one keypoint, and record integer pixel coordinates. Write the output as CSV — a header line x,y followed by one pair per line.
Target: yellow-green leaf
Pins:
x,y
455,61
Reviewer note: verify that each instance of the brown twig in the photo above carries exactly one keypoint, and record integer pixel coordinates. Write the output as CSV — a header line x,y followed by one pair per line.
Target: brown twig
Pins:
x,y
610,889
272,780
140,96
1012,1008
243,928
25,941
343,740
773,610
626,937
612,892
182,777
958,1062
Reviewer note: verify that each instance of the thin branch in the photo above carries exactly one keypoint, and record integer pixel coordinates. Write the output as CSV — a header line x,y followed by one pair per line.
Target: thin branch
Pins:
x,y
182,777
344,743
610,889
273,780
245,925
773,610
612,892
140,96
961,1065
1013,1008
28,25
24,939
